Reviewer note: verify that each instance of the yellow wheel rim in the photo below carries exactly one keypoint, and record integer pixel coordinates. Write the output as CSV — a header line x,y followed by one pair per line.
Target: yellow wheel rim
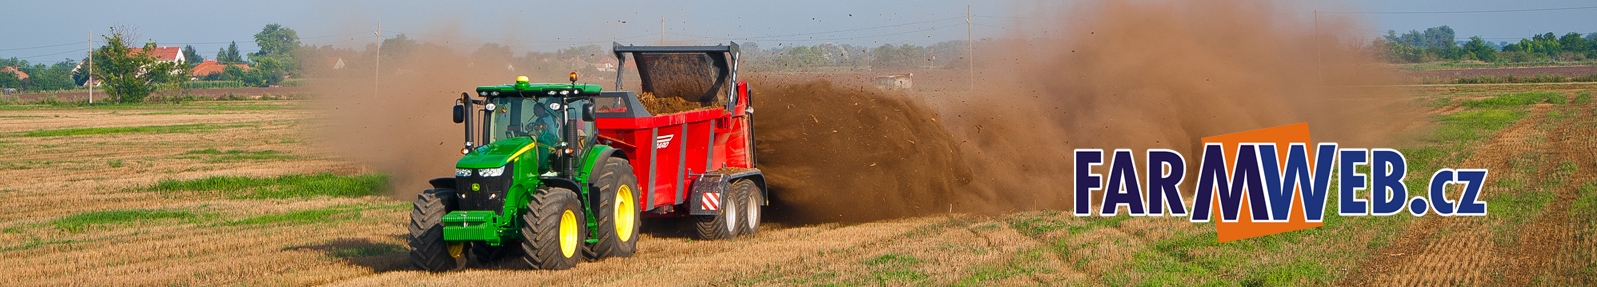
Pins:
x,y
625,213
568,234
456,249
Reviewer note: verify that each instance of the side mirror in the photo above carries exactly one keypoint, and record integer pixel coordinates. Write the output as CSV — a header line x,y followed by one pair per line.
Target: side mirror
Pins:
x,y
460,114
587,113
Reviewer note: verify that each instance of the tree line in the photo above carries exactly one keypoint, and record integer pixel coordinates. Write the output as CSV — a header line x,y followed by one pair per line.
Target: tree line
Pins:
x,y
1439,44
130,75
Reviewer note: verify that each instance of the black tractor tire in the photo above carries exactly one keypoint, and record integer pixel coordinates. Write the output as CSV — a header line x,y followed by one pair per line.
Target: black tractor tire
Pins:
x,y
546,246
723,225
618,225
749,222
485,254
428,250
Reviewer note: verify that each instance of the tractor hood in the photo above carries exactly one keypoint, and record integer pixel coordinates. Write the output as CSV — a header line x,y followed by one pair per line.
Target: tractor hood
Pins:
x,y
499,153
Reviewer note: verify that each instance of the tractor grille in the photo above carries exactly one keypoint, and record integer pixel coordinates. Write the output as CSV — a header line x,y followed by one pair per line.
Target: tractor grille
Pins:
x,y
490,194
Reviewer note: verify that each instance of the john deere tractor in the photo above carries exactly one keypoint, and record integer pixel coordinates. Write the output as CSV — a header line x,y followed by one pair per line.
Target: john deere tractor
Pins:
x,y
539,186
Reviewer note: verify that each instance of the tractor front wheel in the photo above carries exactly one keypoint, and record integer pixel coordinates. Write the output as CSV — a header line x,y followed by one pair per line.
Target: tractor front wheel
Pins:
x,y
552,230
617,212
428,250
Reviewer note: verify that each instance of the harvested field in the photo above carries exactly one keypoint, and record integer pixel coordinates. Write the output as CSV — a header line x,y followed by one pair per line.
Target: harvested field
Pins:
x,y
110,226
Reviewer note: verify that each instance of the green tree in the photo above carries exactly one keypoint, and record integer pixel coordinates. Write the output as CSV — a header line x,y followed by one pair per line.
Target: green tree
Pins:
x,y
130,76
229,55
9,79
275,40
1477,47
267,71
191,57
1572,42
231,73
397,47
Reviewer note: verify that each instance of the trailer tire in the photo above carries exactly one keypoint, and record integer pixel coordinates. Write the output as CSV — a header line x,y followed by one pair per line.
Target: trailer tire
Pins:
x,y
749,224
617,211
552,230
483,253
723,225
428,250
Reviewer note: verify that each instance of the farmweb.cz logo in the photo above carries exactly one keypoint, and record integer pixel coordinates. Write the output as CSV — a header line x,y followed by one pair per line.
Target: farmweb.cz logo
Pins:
x,y
1262,182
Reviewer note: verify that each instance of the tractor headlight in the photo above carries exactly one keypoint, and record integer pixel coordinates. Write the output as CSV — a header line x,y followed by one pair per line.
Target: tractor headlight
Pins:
x,y
491,172
462,172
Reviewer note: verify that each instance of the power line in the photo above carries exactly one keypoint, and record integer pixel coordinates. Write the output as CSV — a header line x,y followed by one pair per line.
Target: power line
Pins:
x,y
56,53
857,29
46,46
1463,12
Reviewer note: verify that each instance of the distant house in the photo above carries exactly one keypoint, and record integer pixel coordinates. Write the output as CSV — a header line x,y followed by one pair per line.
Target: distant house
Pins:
x,y
336,62
165,54
211,67
20,74
895,82
605,65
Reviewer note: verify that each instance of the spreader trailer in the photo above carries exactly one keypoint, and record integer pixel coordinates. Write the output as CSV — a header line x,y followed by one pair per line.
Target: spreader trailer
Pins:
x,y
564,168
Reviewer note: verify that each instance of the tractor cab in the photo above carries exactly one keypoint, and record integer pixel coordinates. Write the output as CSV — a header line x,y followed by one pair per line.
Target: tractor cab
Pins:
x,y
555,119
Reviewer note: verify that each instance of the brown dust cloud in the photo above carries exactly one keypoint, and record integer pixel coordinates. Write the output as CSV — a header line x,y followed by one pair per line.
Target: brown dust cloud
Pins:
x,y
1109,74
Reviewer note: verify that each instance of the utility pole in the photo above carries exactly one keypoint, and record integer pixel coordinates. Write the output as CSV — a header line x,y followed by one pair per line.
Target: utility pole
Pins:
x,y
662,30
377,74
970,52
1318,61
90,83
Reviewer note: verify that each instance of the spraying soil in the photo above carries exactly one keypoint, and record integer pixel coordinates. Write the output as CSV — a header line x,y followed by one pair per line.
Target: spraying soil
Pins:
x,y
835,153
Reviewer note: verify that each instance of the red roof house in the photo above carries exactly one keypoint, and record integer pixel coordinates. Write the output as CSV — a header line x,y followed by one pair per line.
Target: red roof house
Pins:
x,y
211,67
20,74
165,54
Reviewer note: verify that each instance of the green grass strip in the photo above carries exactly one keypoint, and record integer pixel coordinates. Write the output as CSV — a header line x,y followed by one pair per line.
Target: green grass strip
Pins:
x,y
1516,99
77,222
1473,125
189,128
285,186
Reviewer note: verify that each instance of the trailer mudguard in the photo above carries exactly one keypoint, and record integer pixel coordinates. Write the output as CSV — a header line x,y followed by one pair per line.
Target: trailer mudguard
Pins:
x,y
715,184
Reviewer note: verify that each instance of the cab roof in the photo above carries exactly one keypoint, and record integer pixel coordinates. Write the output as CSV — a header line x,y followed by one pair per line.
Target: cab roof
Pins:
x,y
525,89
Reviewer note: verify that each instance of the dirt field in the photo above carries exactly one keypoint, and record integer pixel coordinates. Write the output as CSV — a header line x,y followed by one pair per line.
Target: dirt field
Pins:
x,y
58,176
1568,71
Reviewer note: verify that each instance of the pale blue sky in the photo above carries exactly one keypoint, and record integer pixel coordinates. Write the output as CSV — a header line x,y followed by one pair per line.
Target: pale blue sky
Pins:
x,y
48,31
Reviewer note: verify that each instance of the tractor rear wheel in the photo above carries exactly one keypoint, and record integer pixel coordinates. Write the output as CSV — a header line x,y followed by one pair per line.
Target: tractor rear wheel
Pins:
x,y
428,250
617,211
752,199
723,225
552,230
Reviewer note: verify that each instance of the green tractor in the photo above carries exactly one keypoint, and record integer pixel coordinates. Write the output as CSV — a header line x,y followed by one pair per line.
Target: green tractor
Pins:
x,y
540,186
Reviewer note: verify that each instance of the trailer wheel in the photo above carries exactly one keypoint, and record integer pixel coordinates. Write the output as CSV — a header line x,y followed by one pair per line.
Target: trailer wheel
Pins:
x,y
617,212
725,224
483,253
752,199
552,230
428,250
